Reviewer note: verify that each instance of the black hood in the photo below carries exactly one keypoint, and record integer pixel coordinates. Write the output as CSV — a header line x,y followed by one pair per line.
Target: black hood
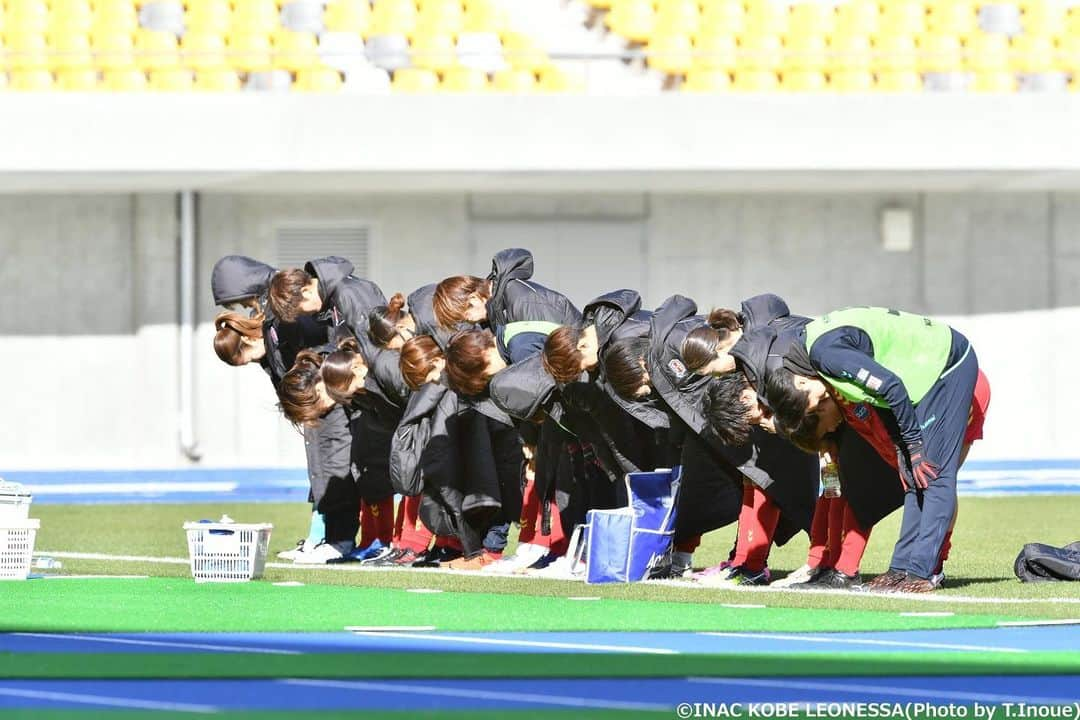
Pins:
x,y
521,389
507,265
751,353
762,310
330,271
237,277
609,311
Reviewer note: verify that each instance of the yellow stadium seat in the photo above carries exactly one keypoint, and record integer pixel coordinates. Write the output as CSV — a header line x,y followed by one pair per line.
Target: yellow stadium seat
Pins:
x,y
707,81
217,80
1032,53
756,81
348,16
113,16
30,80
129,80
27,51
113,51
805,53
440,16
156,50
393,17
673,54
295,51
70,50
213,17
902,17
1069,54
487,16
856,17
895,53
940,53
415,80
26,16
555,79
715,52
811,18
633,19
464,80
899,81
850,52
434,52
249,52
851,81
988,52
203,51
1044,17
70,16
1072,21
803,81
759,52
766,17
995,82
318,80
722,17
255,16
523,53
77,80
677,17
514,81
172,80
952,17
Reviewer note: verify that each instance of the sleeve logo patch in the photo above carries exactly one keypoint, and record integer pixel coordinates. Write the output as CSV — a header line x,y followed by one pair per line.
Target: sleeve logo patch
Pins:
x,y
861,411
863,375
873,383
677,367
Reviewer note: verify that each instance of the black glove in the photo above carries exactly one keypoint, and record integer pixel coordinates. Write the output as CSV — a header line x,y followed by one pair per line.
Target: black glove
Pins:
x,y
923,470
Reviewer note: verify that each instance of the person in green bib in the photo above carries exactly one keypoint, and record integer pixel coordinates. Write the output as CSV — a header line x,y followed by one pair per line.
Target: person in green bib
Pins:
x,y
920,375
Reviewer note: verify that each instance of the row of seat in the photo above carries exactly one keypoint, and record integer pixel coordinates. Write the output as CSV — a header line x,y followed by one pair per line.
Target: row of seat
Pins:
x,y
854,81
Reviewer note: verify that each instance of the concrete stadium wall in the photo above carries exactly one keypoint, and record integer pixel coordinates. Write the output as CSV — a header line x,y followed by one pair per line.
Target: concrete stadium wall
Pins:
x,y
89,294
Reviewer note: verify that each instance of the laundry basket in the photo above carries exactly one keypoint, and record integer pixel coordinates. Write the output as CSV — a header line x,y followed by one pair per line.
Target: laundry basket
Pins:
x,y
227,552
14,501
17,547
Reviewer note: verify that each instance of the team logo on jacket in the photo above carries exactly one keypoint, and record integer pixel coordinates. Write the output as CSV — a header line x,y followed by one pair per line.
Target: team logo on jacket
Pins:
x,y
677,367
861,411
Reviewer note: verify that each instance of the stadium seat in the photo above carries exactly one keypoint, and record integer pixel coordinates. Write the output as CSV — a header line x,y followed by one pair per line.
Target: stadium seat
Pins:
x,y
464,80
756,81
156,50
766,17
850,53
988,52
633,19
219,80
353,16
163,16
902,17
27,51
303,16
556,79
895,53
940,54
255,16
367,79
803,81
722,17
295,51
995,82
113,51
389,52
856,17
171,80
811,18
213,17
269,81
899,81
114,16
393,17
203,51
318,80
433,52
707,81
30,80
249,52
673,54
1032,53
440,17
1072,22
856,81
415,80
70,50
484,16
1046,82
24,17
1069,54
523,53
677,17
1000,19
342,50
759,52
1044,17
952,17
126,80
714,52
805,53
480,51
67,16
954,81
79,80
514,81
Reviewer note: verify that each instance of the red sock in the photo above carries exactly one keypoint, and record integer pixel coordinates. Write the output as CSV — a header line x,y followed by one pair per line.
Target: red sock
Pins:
x,y
377,521
836,529
853,543
945,547
414,535
688,545
530,511
818,555
757,523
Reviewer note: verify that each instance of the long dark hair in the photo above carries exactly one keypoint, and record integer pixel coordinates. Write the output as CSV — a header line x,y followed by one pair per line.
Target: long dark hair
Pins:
x,y
232,328
623,365
337,370
561,357
418,356
728,417
699,347
298,396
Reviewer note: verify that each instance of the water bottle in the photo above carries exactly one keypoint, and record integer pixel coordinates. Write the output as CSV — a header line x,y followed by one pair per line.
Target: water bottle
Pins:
x,y
830,479
47,563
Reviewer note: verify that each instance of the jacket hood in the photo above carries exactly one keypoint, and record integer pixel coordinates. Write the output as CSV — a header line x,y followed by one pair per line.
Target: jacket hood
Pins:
x,y
330,271
609,311
522,388
423,402
236,277
751,352
762,310
506,266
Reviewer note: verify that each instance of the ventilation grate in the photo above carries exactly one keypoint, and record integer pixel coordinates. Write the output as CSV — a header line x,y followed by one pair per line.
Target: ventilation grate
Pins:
x,y
296,244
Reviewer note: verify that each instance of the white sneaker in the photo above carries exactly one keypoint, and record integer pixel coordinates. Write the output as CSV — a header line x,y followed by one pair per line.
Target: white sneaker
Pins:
x,y
803,574
324,552
523,557
563,568
301,545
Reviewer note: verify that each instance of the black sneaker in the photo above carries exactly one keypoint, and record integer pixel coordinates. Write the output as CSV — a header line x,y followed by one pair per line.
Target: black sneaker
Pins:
x,y
436,557
836,580
384,553
384,559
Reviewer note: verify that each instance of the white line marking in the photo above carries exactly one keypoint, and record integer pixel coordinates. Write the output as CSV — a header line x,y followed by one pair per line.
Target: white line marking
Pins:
x,y
741,606
131,488
118,558
561,700
529,643
584,597
289,583
863,641
388,628
162,643
106,701
863,689
94,577
424,591
927,614
1035,623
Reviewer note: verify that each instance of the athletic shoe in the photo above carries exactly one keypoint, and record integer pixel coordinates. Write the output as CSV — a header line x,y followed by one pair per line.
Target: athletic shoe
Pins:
x,y
737,576
547,559
291,554
802,576
405,559
325,553
436,557
669,572
477,562
385,558
886,582
359,554
563,568
833,580
526,555
382,553
723,569
914,585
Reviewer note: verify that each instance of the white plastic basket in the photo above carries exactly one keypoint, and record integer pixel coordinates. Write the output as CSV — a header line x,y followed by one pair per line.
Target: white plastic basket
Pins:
x,y
227,552
17,547
14,501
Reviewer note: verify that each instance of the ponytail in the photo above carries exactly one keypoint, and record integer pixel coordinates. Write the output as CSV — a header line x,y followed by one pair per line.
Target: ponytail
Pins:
x,y
231,329
298,394
384,319
337,370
